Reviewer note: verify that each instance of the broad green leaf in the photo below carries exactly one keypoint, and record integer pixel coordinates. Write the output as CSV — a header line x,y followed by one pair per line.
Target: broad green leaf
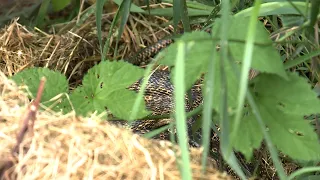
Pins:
x,y
294,96
265,57
199,51
291,133
232,85
105,86
251,136
282,104
56,83
85,101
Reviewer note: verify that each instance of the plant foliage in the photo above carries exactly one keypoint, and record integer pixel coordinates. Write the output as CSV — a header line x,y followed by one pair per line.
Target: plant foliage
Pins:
x,y
281,98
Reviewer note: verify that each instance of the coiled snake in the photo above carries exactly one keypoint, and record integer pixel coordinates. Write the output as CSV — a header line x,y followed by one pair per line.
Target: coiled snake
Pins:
x,y
159,94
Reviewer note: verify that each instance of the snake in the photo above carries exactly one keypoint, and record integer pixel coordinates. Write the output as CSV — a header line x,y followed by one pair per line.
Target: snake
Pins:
x,y
158,95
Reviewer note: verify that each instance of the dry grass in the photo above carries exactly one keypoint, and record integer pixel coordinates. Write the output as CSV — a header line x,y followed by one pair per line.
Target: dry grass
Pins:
x,y
73,49
70,147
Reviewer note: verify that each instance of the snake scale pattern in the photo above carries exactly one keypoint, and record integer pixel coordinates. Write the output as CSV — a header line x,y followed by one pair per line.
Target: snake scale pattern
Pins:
x,y
159,94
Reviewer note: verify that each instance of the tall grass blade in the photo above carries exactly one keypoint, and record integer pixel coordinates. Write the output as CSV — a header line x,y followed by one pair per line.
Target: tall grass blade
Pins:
x,y
185,17
180,114
277,8
124,10
272,149
227,153
207,109
247,59
301,59
42,13
315,4
140,97
177,8
107,43
99,10
304,170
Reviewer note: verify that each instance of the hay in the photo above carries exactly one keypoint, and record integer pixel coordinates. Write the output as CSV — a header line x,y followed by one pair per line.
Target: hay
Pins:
x,y
66,146
70,147
73,49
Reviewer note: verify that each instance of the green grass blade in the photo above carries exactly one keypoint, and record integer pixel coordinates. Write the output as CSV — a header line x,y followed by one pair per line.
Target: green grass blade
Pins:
x,y
107,43
207,110
303,171
42,13
185,17
272,149
134,8
228,155
169,12
58,5
194,5
277,8
315,4
156,131
148,5
140,97
247,59
180,12
180,114
124,10
301,59
224,55
99,9
177,8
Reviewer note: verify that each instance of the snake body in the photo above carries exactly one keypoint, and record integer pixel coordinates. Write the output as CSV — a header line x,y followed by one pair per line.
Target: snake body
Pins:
x,y
158,94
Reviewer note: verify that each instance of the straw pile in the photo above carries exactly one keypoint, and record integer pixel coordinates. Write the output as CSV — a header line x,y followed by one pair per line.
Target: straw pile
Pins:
x,y
65,146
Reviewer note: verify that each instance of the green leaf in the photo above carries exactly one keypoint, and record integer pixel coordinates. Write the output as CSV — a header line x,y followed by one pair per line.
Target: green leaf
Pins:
x,y
251,135
199,51
294,96
232,85
56,83
105,86
58,5
282,105
291,134
265,57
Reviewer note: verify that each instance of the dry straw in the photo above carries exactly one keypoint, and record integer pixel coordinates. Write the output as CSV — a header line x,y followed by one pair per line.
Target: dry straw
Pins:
x,y
70,147
65,146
